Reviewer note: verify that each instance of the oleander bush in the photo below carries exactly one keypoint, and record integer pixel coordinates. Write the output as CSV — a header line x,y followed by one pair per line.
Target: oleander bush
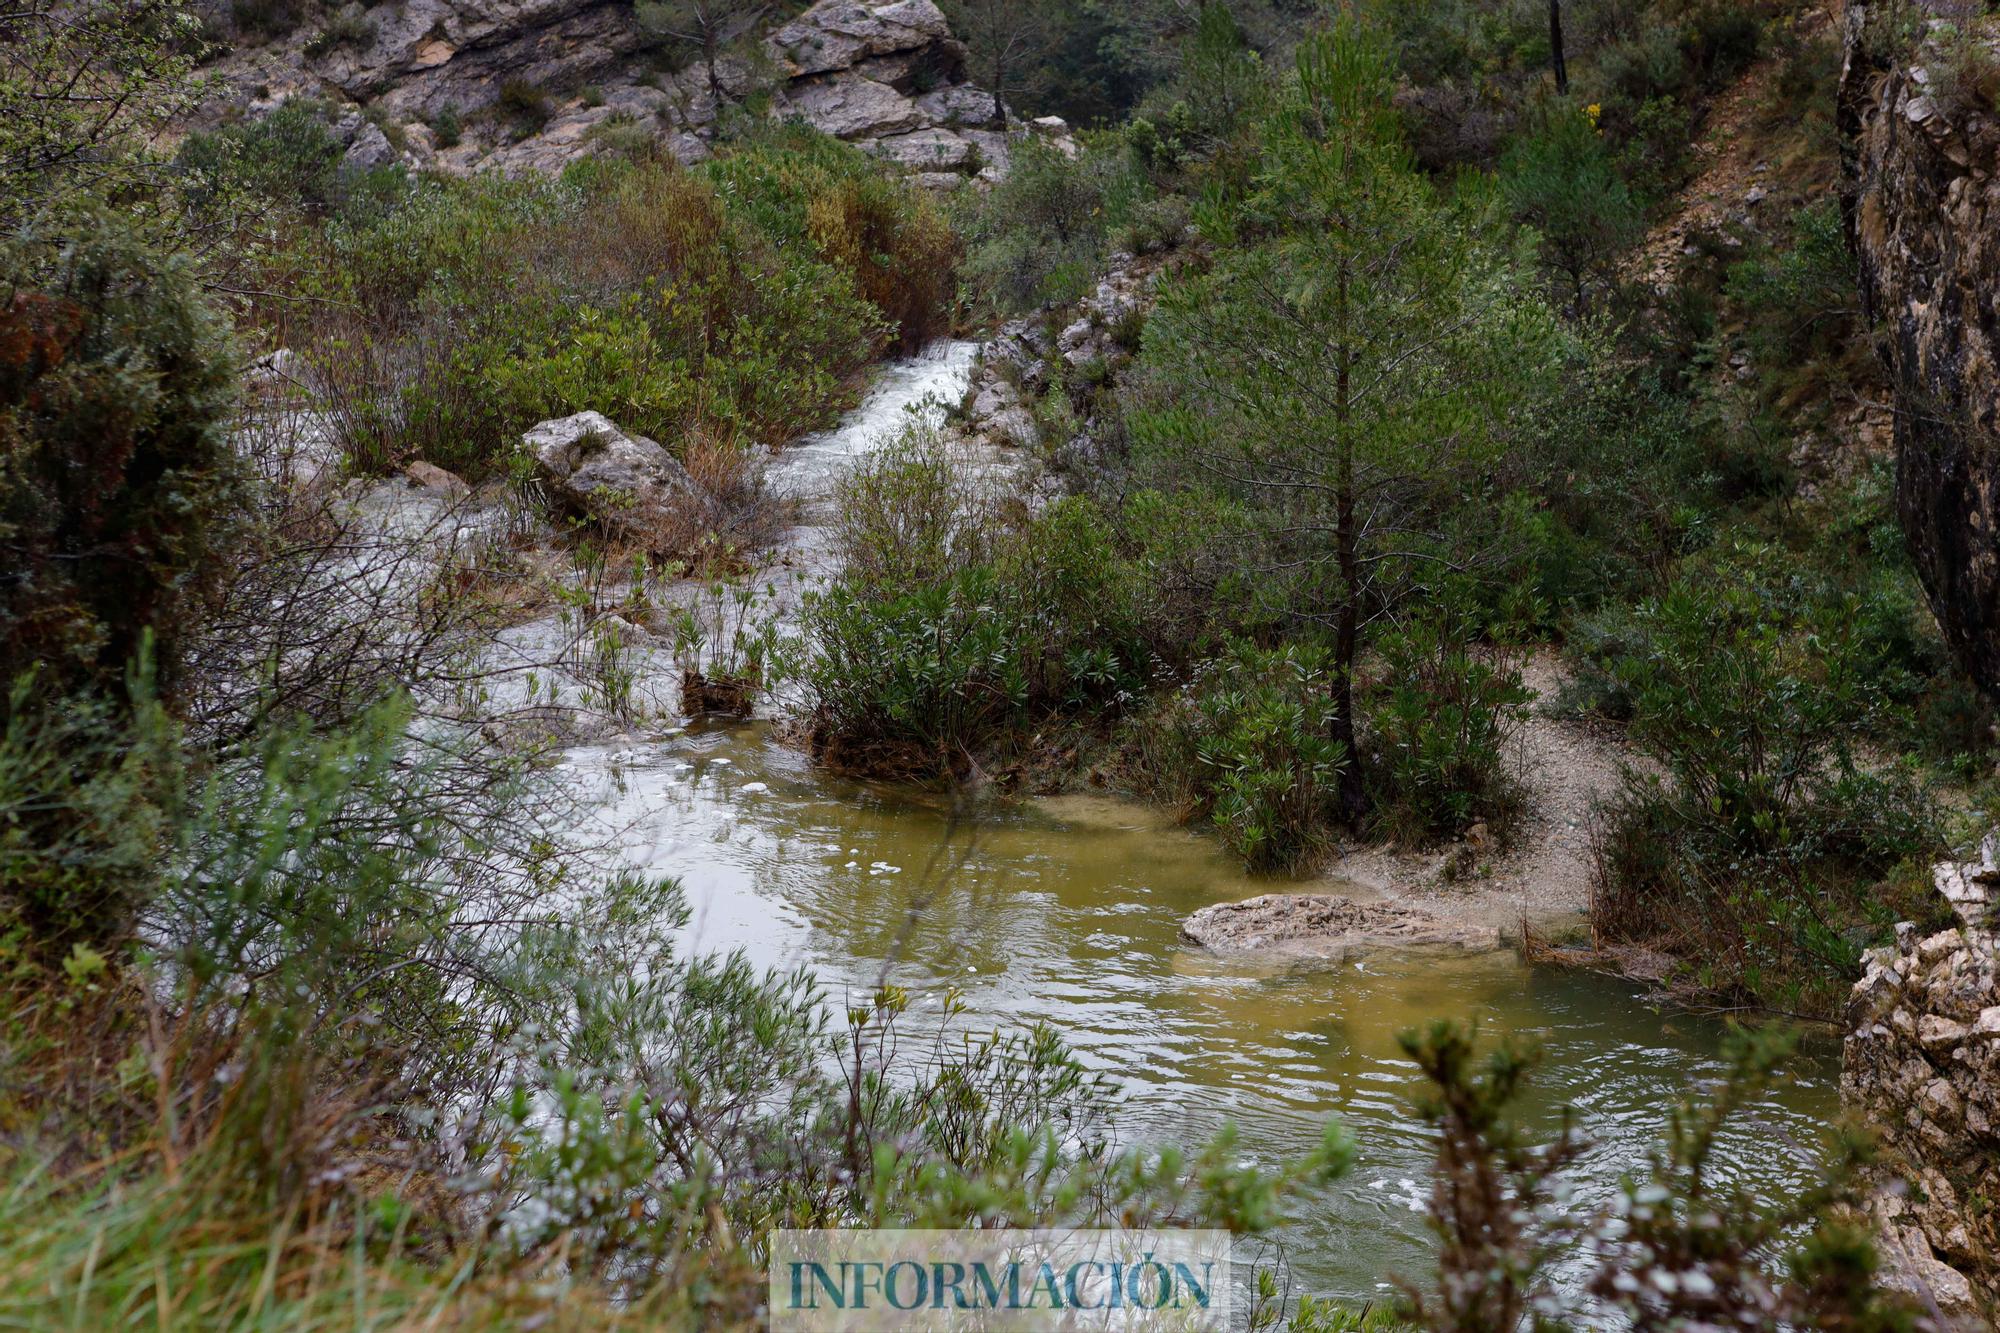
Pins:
x,y
1268,764
953,629
1438,726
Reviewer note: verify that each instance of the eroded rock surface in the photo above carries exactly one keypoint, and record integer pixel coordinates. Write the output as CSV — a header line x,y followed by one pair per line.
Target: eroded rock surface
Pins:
x,y
1924,221
626,483
1324,927
1095,338
1922,1063
532,86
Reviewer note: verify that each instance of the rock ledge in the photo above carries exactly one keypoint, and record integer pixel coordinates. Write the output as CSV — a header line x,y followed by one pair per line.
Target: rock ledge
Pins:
x,y
1325,927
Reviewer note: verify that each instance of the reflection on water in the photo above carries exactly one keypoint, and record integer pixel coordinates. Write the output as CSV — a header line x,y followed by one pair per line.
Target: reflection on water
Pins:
x,y
1069,911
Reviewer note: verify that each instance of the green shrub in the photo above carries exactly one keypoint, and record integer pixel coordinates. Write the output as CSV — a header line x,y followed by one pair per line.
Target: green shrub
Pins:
x,y
1722,39
282,161
948,634
1077,610
1038,236
1747,705
1198,575
1680,1246
1155,225
85,795
1757,847
116,381
345,28
1955,725
1438,732
611,362
1965,72
676,302
1559,180
524,106
1644,66
913,682
802,190
1653,145
621,135
911,513
448,126
1800,300
1808,81
1266,770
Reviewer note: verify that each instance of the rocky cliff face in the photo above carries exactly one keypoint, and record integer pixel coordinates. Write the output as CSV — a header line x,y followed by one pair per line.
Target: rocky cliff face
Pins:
x,y
1924,220
1922,1062
534,84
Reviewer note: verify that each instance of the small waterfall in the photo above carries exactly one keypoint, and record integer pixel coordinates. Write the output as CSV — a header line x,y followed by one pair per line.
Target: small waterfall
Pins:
x,y
934,379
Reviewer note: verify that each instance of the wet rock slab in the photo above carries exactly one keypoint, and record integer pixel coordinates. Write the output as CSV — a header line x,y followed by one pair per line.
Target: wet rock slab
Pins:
x,y
1325,927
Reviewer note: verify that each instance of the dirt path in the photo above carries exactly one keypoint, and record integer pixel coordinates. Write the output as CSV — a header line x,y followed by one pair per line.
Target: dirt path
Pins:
x,y
1567,769
1726,189
1736,170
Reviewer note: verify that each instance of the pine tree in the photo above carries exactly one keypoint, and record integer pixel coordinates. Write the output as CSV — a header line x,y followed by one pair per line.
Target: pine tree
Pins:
x,y
1341,376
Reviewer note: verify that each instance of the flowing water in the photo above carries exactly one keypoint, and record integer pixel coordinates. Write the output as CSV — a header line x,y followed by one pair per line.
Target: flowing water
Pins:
x,y
1068,910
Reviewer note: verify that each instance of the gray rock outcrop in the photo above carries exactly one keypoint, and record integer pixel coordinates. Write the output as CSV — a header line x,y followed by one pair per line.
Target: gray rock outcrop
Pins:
x,y
1923,212
838,35
1922,1064
1094,339
535,84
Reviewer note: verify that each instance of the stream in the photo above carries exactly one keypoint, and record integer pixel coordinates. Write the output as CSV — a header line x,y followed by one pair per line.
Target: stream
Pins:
x,y
1067,911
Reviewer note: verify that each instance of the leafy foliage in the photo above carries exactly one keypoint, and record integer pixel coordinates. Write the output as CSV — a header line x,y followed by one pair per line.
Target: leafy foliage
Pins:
x,y
1766,834
286,160
1039,235
1332,379
1270,758
735,305
916,672
115,474
1678,1248
85,808
1560,180
89,91
1438,729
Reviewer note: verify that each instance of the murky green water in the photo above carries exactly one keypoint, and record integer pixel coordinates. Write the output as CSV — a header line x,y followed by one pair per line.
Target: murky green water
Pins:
x,y
1068,911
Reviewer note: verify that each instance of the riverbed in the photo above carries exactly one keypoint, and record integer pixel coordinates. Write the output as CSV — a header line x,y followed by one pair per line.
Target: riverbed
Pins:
x,y
1067,911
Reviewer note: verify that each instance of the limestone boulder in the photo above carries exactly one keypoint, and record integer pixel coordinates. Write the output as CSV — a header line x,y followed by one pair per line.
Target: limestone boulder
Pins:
x,y
1324,928
961,105
430,477
851,107
926,150
625,483
840,34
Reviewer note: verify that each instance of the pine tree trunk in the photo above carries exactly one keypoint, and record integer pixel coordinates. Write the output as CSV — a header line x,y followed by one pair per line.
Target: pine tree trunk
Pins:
x,y
1556,47
1347,545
